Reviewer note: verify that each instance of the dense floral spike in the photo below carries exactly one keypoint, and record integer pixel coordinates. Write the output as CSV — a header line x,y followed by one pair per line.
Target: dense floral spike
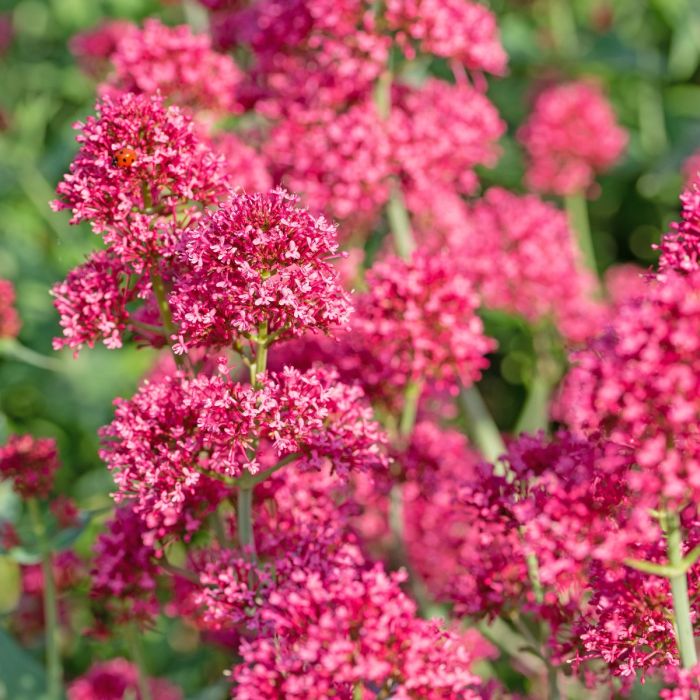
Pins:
x,y
258,264
117,679
140,208
340,166
124,571
570,136
419,319
440,132
9,318
180,65
456,29
92,303
680,248
523,258
172,433
30,463
639,386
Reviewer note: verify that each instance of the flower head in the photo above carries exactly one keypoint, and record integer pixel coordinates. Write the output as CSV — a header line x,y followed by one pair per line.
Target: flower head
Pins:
x,y
176,440
419,319
339,165
570,136
124,571
258,261
140,208
30,463
440,132
455,29
522,256
680,247
114,680
180,65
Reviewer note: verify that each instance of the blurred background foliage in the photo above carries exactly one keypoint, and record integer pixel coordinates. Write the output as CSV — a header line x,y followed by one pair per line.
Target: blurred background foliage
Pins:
x,y
645,52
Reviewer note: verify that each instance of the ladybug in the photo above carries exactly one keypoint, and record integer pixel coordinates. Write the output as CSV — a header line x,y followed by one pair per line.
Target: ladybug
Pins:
x,y
124,158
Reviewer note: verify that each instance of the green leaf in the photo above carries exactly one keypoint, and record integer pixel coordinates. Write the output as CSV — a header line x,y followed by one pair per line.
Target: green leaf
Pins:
x,y
21,676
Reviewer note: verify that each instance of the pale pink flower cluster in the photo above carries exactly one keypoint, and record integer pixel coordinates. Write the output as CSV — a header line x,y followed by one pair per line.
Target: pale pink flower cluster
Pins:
x,y
570,137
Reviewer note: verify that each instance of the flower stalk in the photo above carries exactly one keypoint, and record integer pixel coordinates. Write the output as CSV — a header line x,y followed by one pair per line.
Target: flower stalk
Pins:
x,y
54,670
679,592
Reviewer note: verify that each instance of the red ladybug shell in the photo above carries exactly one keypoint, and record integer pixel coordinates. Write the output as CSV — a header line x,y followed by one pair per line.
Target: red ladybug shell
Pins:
x,y
124,158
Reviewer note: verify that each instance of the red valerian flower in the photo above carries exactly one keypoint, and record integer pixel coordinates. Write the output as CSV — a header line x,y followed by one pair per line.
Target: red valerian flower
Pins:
x,y
257,261
30,463
141,210
419,319
116,679
170,446
570,136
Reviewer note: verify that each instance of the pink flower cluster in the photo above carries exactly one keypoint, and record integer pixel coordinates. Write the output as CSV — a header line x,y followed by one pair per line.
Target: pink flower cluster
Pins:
x,y
30,463
258,264
680,247
570,136
179,65
418,318
341,165
639,386
116,679
9,319
439,132
464,31
173,442
328,622
523,258
124,573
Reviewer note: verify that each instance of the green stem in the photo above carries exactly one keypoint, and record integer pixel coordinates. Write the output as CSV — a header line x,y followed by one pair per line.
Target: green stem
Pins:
x,y
54,670
577,211
679,591
553,682
244,514
11,347
410,408
562,24
400,224
535,412
165,313
261,352
482,428
135,642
